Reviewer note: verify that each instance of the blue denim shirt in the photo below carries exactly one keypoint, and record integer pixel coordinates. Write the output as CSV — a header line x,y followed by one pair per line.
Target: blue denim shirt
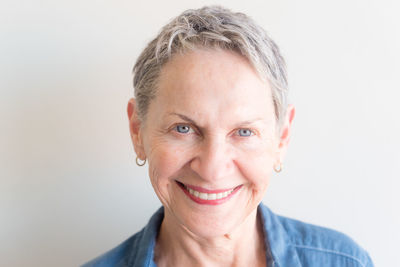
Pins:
x,y
289,243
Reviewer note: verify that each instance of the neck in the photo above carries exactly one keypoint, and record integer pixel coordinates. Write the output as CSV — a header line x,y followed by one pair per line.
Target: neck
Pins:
x,y
178,246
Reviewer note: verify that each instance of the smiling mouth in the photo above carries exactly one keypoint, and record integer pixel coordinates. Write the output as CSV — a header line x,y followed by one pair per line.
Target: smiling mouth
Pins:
x,y
208,197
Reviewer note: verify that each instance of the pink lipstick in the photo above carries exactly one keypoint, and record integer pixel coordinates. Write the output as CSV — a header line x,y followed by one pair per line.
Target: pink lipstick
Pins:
x,y
208,197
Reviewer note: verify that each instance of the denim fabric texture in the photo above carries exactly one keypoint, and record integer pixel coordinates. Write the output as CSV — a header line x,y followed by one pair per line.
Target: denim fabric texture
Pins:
x,y
289,243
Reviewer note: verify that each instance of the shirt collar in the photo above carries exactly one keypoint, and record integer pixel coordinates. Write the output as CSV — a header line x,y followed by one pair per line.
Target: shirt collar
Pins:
x,y
277,239
146,244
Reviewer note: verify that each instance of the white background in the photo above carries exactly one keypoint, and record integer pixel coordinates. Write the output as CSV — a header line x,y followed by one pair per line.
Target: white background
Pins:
x,y
69,187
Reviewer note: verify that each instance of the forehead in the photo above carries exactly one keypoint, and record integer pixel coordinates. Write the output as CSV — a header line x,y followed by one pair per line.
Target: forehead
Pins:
x,y
222,67
212,81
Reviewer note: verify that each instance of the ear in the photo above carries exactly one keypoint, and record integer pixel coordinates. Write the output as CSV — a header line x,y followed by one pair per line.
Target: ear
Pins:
x,y
285,132
135,129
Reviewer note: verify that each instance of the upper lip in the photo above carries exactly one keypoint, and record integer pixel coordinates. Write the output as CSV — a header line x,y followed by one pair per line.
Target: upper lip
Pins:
x,y
208,191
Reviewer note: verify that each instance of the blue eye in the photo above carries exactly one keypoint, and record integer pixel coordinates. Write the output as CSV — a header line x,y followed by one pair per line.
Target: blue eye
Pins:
x,y
182,128
245,132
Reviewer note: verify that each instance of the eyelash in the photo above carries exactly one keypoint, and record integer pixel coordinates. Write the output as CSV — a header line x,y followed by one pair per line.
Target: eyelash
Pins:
x,y
175,128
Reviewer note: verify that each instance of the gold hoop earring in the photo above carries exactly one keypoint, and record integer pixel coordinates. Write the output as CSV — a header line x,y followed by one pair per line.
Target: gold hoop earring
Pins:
x,y
140,163
278,169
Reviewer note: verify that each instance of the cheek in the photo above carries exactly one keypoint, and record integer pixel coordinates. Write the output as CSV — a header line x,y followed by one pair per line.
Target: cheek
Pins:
x,y
256,166
165,161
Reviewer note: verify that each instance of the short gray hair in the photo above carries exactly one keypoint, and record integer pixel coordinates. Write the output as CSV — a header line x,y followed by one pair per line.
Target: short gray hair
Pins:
x,y
211,27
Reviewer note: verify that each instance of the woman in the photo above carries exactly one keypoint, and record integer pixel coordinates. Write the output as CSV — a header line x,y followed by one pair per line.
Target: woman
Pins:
x,y
211,119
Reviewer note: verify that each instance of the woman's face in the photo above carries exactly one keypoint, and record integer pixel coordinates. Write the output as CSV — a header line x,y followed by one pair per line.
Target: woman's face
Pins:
x,y
211,129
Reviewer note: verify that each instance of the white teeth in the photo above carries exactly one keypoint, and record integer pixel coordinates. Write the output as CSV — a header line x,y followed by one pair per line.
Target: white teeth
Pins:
x,y
203,196
206,196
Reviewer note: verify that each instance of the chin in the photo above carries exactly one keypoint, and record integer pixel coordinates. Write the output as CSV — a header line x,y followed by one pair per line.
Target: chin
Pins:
x,y
207,228
217,223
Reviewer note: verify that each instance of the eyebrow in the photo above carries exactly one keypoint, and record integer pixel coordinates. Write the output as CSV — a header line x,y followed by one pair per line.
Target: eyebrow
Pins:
x,y
183,117
186,118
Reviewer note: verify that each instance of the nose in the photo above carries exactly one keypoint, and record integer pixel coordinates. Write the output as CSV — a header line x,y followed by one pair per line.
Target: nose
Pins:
x,y
214,160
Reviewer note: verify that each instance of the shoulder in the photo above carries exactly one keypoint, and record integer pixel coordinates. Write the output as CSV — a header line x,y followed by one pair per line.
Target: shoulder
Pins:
x,y
118,256
136,250
315,243
295,243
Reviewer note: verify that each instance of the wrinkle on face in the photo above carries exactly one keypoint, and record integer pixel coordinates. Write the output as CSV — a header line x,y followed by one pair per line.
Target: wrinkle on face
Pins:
x,y
219,92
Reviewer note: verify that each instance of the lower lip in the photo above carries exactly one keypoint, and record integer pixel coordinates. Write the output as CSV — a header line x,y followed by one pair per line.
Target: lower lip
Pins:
x,y
210,202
